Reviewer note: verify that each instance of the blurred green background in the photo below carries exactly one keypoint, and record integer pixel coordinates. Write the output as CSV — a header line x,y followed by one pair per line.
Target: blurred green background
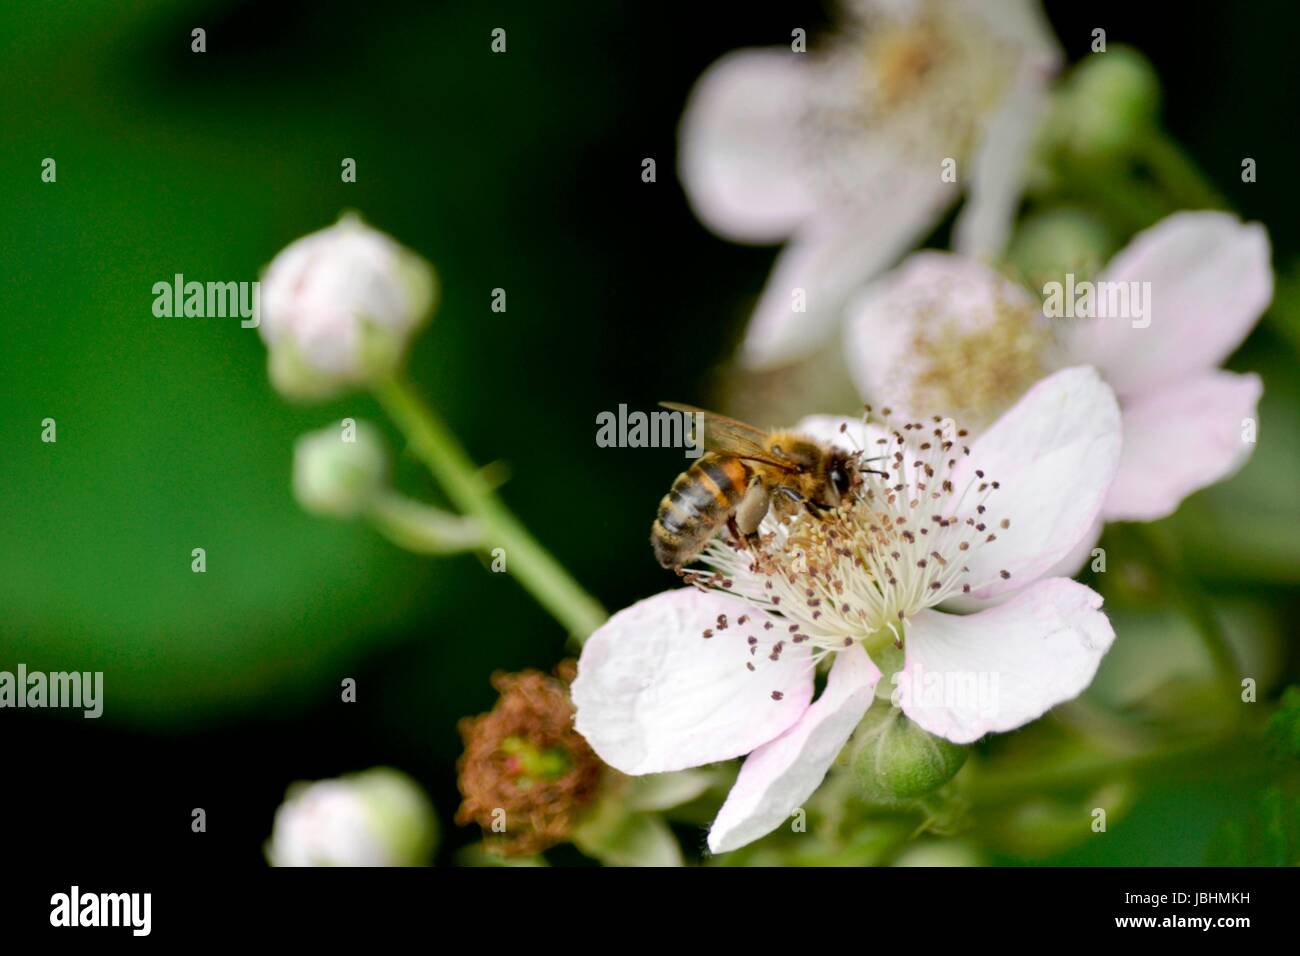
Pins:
x,y
519,171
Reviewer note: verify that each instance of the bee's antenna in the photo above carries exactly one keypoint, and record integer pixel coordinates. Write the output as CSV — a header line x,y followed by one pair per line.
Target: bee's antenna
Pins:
x,y
874,471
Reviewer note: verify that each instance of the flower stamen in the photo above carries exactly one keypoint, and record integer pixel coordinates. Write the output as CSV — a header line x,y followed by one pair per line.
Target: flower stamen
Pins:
x,y
899,543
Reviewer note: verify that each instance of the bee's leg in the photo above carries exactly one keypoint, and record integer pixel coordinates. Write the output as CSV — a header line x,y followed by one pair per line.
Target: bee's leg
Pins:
x,y
749,513
736,536
739,540
814,507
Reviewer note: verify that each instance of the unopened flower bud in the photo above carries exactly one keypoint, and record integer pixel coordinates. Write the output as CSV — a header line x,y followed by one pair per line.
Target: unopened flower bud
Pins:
x,y
379,817
1048,245
894,760
339,308
1108,103
339,470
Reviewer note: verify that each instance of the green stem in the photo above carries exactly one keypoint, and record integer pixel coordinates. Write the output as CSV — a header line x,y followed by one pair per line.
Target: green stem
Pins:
x,y
1177,173
422,528
539,573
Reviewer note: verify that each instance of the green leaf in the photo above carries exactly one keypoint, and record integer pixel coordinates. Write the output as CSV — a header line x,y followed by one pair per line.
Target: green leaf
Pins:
x,y
1284,726
1267,834
636,839
663,791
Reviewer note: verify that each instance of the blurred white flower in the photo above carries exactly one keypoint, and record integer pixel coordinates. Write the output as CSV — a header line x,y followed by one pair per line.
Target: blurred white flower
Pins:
x,y
842,151
943,334
690,677
379,817
339,307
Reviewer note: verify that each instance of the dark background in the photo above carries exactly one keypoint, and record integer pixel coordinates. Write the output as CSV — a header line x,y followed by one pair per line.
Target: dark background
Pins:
x,y
520,171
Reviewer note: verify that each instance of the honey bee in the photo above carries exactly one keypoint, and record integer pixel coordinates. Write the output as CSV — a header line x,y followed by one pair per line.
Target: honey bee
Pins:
x,y
743,472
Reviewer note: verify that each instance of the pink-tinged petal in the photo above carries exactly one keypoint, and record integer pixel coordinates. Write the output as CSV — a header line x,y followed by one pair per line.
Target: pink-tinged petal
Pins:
x,y
999,167
741,157
816,274
998,669
779,776
932,295
654,695
1081,554
1180,439
1210,281
1054,455
1067,567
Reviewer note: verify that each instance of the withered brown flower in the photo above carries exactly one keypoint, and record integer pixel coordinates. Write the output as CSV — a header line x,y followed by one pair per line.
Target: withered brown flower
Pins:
x,y
526,774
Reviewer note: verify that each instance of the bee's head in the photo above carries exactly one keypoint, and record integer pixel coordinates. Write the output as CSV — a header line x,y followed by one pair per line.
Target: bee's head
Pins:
x,y
841,474
823,475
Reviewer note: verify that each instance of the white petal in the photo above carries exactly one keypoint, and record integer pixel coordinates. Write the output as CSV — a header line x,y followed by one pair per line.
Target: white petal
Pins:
x,y
999,669
653,695
930,293
999,167
779,776
1180,439
1054,455
1024,24
826,263
1210,281
741,156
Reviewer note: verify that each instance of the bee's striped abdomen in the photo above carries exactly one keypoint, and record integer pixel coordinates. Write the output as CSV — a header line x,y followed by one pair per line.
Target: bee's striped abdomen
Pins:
x,y
697,504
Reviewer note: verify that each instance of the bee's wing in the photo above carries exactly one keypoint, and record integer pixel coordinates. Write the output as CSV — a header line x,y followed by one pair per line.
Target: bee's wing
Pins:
x,y
726,436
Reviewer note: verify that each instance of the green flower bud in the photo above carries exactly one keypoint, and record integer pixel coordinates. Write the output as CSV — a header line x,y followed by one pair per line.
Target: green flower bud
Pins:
x,y
339,471
1058,241
1109,102
893,760
378,817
